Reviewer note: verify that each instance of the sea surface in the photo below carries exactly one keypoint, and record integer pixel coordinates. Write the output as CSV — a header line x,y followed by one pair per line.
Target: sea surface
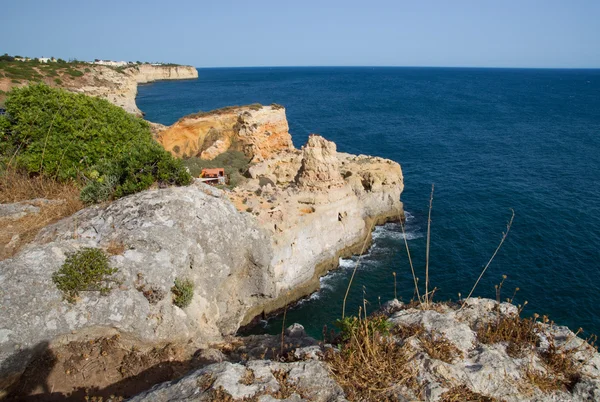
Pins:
x,y
491,140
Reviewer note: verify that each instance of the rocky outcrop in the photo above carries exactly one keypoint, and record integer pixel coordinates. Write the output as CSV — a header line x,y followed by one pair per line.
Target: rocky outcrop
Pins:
x,y
186,232
241,264
258,131
446,360
317,205
499,370
267,381
118,86
320,166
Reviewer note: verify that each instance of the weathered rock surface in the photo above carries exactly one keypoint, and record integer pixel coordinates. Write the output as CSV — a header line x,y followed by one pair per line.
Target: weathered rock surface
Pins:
x,y
317,205
482,371
258,131
189,232
262,379
18,210
488,369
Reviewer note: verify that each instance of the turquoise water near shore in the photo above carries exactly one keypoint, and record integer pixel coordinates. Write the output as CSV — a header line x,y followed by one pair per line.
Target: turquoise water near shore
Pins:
x,y
490,140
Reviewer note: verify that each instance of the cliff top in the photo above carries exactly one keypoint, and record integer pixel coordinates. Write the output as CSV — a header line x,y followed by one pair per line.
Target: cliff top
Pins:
x,y
117,84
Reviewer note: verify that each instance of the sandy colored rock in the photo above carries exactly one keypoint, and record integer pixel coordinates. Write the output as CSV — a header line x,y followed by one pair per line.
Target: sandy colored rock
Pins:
x,y
320,168
258,131
119,87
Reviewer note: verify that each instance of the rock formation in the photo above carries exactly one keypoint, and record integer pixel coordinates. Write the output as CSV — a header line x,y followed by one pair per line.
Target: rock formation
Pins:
x,y
241,264
447,360
118,86
187,232
258,131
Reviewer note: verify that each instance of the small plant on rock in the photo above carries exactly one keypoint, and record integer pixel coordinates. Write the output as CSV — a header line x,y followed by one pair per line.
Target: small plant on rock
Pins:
x,y
183,292
84,270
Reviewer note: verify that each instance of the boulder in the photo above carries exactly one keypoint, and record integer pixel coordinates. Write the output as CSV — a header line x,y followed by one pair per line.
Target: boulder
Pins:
x,y
182,232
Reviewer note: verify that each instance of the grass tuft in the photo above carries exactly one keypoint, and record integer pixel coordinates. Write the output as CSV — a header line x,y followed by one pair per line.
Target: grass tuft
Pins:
x,y
183,292
84,270
520,334
369,365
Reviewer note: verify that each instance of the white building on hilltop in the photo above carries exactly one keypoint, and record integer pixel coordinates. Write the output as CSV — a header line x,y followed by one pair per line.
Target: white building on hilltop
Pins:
x,y
111,63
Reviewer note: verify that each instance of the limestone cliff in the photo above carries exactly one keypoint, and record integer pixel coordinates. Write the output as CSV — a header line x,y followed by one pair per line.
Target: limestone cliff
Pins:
x,y
258,131
318,205
241,264
118,86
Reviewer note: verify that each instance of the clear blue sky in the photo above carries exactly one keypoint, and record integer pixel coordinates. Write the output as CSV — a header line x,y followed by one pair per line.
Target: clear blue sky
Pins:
x,y
495,33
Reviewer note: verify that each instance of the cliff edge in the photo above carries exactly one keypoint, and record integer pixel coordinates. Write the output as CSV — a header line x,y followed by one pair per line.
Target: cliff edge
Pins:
x,y
117,85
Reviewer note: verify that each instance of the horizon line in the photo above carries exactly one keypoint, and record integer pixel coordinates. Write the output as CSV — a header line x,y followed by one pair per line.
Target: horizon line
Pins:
x,y
376,66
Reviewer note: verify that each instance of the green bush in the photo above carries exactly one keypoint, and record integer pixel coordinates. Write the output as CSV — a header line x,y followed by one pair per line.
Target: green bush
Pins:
x,y
74,136
350,326
84,270
58,81
74,73
183,292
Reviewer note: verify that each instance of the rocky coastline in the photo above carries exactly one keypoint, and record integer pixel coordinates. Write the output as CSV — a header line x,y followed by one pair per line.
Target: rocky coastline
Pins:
x,y
248,251
118,86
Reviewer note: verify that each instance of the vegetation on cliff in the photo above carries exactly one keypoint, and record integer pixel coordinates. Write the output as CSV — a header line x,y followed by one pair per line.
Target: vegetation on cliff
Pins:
x,y
66,136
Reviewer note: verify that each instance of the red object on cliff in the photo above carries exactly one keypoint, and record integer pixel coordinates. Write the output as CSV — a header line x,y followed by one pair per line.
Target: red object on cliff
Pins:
x,y
213,176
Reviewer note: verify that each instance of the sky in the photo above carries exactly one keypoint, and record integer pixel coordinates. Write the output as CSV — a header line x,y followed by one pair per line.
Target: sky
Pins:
x,y
228,33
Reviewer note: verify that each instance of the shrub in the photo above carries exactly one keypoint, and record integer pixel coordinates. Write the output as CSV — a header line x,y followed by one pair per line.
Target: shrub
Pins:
x,y
74,73
74,136
276,106
58,81
84,270
183,292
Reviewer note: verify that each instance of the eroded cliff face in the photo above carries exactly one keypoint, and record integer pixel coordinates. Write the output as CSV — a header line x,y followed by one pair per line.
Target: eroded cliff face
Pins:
x,y
248,251
318,205
258,131
117,86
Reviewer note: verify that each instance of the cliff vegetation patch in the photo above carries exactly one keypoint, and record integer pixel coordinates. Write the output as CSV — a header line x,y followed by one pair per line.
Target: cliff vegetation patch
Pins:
x,y
84,270
66,136
183,292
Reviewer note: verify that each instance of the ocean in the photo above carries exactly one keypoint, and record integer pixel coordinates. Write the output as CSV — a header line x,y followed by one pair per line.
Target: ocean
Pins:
x,y
491,140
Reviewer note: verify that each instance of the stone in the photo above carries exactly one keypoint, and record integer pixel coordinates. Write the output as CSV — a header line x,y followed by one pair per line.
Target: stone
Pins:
x,y
320,167
311,378
189,232
295,331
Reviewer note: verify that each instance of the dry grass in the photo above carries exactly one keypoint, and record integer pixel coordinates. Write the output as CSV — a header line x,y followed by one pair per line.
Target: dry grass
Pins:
x,y
519,333
562,365
248,377
439,347
15,187
372,367
435,344
544,381
462,393
115,248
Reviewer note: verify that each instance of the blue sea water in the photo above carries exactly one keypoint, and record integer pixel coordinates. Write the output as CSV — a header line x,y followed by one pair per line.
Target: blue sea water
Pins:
x,y
490,140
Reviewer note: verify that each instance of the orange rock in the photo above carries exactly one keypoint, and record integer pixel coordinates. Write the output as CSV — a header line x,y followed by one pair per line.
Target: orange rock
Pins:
x,y
257,131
